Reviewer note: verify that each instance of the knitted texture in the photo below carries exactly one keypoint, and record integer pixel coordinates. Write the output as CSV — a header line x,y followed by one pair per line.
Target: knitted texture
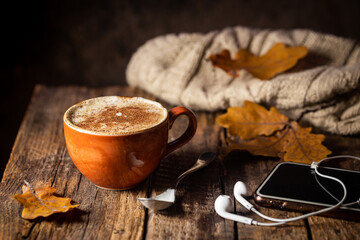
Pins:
x,y
323,89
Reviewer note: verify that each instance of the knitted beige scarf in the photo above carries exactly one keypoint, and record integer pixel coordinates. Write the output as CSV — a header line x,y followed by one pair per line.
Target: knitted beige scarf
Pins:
x,y
323,89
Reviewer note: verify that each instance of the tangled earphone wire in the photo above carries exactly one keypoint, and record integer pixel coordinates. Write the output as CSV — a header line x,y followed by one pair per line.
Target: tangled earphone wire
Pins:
x,y
223,205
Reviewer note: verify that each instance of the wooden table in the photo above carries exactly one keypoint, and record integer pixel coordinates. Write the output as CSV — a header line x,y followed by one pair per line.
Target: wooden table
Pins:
x,y
40,156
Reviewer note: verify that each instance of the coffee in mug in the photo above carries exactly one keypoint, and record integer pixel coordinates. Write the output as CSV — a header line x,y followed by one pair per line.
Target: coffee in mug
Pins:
x,y
116,115
117,142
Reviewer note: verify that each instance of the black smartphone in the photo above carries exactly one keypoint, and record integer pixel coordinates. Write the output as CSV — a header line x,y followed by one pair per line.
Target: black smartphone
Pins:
x,y
295,186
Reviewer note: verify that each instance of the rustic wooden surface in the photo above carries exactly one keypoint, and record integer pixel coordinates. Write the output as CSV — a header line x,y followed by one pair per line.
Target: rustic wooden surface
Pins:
x,y
39,156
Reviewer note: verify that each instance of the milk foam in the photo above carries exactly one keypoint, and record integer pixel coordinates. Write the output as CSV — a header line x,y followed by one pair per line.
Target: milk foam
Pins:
x,y
112,115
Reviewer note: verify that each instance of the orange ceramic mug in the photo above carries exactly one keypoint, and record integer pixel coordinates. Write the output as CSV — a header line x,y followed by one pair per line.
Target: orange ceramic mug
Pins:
x,y
122,159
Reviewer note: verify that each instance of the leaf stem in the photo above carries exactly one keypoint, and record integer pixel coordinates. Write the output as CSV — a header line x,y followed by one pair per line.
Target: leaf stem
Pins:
x,y
299,143
32,191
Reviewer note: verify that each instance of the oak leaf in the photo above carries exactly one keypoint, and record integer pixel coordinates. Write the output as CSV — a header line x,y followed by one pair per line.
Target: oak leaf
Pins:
x,y
252,120
277,60
300,143
269,146
42,202
284,139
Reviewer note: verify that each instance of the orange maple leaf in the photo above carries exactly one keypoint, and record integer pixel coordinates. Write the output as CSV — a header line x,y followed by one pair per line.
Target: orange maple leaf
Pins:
x,y
277,60
281,138
42,202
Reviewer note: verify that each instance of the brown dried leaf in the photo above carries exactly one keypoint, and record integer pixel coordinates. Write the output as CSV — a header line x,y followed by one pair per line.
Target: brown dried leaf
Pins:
x,y
268,133
44,204
300,145
293,144
277,60
252,120
269,146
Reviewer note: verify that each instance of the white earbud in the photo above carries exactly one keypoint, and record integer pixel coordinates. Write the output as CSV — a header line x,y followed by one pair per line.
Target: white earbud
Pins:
x,y
239,192
223,207
223,203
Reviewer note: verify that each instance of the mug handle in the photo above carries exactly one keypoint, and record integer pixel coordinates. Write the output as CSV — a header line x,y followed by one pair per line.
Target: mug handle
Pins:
x,y
187,135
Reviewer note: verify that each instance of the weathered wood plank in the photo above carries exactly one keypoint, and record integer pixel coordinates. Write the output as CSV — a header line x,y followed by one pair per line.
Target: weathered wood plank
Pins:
x,y
40,156
193,215
241,166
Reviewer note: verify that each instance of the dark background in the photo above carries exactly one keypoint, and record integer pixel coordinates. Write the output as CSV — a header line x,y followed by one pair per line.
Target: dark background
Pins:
x,y
89,42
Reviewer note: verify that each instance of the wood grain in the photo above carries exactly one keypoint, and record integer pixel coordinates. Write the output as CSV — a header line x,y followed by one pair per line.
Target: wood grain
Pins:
x,y
193,214
241,166
39,155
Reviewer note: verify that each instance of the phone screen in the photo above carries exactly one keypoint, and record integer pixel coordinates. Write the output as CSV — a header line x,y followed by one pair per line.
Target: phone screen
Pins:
x,y
298,183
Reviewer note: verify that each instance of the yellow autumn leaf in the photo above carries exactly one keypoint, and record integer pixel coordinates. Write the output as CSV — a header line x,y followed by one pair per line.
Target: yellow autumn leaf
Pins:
x,y
277,60
300,145
252,120
44,204
269,133
269,146
293,144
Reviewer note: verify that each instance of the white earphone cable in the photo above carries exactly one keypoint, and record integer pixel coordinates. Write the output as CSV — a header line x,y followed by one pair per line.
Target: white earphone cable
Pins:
x,y
284,221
